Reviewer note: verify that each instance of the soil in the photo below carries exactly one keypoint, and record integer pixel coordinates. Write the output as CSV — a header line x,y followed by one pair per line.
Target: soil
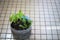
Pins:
x,y
16,25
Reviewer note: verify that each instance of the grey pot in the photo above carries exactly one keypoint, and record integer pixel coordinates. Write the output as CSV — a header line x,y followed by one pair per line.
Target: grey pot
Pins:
x,y
21,34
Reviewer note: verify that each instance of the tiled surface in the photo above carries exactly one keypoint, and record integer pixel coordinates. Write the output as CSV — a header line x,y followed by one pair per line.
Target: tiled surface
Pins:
x,y
44,13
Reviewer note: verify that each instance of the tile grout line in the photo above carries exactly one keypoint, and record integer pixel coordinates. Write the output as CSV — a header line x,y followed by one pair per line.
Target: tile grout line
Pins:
x,y
3,19
10,13
34,19
50,22
2,9
29,11
39,20
44,18
55,20
50,19
8,21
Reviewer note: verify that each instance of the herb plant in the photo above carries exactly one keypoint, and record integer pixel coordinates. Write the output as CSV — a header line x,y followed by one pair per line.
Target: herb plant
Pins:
x,y
19,21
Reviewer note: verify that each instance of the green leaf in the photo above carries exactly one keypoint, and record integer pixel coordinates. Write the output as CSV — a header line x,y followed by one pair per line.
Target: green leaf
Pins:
x,y
13,18
29,21
21,26
19,14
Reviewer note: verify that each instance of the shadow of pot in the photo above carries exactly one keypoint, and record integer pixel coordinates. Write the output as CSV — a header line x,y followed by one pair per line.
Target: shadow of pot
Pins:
x,y
21,34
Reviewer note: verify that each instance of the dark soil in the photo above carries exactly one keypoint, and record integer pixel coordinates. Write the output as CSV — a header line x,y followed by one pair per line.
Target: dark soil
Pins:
x,y
16,25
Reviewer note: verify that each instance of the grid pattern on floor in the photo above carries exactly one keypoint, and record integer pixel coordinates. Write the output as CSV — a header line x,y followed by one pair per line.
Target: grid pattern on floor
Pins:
x,y
44,13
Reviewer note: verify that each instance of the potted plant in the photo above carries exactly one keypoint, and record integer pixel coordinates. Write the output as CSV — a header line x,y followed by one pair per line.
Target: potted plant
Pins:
x,y
20,25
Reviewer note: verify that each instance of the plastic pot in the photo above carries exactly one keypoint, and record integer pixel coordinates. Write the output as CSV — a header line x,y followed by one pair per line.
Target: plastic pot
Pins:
x,y
21,34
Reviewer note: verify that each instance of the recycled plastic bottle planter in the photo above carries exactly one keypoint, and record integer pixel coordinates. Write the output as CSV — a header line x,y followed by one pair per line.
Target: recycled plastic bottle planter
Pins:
x,y
20,26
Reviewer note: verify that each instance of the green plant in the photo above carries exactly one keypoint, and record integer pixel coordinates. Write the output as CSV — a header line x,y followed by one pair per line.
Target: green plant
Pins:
x,y
20,21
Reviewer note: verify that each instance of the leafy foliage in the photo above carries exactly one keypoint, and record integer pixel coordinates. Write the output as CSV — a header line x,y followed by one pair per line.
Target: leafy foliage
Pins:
x,y
20,21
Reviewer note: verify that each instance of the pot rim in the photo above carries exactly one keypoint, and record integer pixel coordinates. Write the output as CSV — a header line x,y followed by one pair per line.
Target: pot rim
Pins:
x,y
21,30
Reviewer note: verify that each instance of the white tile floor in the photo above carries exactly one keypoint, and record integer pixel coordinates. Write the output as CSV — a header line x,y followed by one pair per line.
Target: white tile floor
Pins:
x,y
44,13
